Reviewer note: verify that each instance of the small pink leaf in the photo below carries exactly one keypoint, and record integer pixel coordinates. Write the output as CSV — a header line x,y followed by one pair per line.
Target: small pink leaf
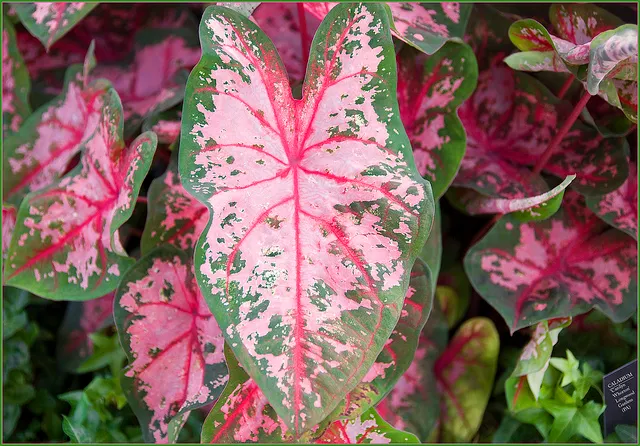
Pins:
x,y
50,21
620,207
173,215
8,225
65,244
314,201
40,153
154,80
559,267
510,120
368,428
430,90
15,83
174,345
82,319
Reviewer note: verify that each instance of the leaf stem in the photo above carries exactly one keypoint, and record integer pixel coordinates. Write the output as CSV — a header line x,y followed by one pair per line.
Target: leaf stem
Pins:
x,y
565,87
557,139
142,200
304,36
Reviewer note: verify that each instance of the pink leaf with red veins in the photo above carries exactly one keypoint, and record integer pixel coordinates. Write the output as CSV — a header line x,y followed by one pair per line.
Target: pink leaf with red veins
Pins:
x,y
40,153
317,211
174,345
82,319
510,120
173,215
154,81
368,428
15,83
65,244
560,267
430,90
620,207
281,22
50,21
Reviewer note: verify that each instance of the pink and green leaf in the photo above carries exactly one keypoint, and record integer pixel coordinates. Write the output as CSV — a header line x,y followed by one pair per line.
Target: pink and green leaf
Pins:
x,y
173,216
154,79
65,244
430,90
81,320
8,224
166,125
40,152
559,267
613,53
174,345
539,207
368,428
510,120
338,295
16,83
50,21
581,23
620,207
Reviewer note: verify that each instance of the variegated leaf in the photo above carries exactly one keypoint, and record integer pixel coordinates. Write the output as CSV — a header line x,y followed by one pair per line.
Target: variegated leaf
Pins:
x,y
50,21
165,125
65,244
154,80
15,83
397,354
41,151
173,215
430,90
620,207
282,196
560,267
174,345
368,428
81,320
539,207
510,120
8,224
613,54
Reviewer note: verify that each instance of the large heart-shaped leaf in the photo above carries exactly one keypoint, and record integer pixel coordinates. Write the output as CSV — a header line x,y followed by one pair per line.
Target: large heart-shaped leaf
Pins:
x,y
173,215
443,395
620,207
153,81
368,428
430,90
174,345
308,280
563,266
398,352
15,82
81,320
50,21
39,154
510,120
65,244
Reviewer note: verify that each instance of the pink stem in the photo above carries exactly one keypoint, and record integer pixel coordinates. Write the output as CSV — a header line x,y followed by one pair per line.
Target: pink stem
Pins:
x,y
304,36
565,87
571,119
142,200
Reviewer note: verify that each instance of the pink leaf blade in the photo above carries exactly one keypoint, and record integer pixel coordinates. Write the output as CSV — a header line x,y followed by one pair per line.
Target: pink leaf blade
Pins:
x,y
611,53
50,21
287,146
174,345
16,84
367,428
559,267
65,244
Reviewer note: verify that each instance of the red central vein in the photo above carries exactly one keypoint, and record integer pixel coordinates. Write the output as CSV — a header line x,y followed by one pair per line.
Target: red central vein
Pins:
x,y
187,226
298,359
237,411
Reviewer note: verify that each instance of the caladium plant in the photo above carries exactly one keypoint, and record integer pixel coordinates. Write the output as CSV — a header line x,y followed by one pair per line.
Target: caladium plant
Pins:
x,y
15,82
346,305
174,344
562,266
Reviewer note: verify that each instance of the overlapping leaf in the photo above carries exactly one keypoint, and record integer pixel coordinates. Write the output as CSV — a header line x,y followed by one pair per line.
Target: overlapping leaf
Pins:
x,y
50,21
341,212
173,215
174,345
443,395
368,428
620,207
430,90
15,83
40,153
153,81
510,120
65,244
563,266
81,320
